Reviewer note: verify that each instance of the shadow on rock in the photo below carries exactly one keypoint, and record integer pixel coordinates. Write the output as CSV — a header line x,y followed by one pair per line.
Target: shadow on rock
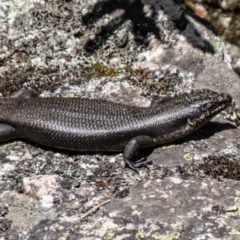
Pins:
x,y
141,25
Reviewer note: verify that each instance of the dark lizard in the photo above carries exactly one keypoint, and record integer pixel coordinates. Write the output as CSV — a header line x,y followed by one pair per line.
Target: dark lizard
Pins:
x,y
97,125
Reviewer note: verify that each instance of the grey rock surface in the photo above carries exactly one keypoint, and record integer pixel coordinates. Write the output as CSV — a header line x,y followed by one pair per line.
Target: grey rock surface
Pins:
x,y
124,51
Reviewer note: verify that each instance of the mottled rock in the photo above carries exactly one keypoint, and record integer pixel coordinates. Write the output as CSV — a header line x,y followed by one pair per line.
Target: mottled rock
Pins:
x,y
124,51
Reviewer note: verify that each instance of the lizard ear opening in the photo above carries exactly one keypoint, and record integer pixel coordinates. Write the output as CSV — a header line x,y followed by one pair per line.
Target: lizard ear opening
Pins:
x,y
196,111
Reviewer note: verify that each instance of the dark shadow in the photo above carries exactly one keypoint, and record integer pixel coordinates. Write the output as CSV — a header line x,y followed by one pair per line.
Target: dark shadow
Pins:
x,y
209,130
205,132
141,25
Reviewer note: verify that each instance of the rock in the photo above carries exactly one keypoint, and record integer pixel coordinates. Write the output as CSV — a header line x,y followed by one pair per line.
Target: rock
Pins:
x,y
124,51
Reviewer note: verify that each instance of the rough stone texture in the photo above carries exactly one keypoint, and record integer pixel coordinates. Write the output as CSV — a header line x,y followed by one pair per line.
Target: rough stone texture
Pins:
x,y
125,51
224,16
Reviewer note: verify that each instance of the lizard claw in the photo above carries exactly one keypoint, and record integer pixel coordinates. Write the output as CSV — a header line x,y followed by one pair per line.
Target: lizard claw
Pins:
x,y
131,166
143,162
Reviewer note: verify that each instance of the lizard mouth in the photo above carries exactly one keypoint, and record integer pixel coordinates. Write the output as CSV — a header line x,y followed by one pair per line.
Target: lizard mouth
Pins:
x,y
214,107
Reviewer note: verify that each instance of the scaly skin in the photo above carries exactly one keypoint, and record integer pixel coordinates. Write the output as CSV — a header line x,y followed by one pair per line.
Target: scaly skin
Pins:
x,y
96,125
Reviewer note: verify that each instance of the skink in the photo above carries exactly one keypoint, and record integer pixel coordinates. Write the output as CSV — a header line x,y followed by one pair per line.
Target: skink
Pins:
x,y
97,125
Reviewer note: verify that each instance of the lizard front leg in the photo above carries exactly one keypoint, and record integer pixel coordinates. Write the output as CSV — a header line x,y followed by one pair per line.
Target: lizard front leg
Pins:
x,y
132,148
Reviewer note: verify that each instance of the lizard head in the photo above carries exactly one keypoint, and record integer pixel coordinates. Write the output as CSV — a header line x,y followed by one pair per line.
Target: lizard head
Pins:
x,y
205,104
